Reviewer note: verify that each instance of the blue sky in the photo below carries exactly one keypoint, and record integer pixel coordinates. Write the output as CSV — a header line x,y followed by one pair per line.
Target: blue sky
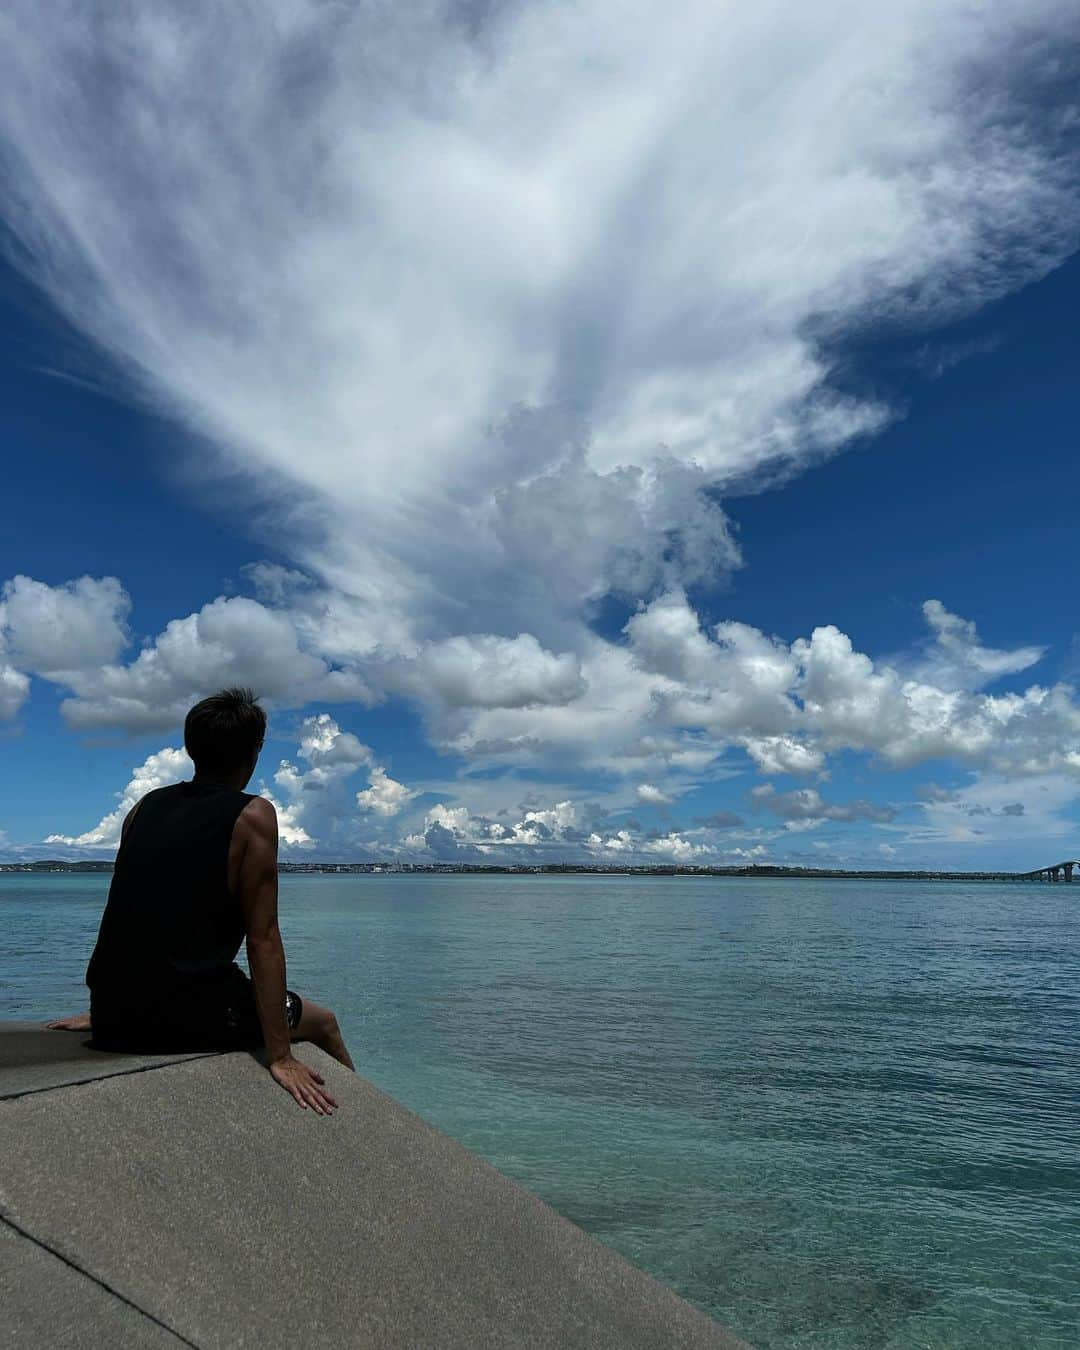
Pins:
x,y
706,506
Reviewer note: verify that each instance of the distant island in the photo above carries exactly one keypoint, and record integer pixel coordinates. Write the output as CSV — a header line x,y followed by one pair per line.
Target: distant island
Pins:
x,y
764,870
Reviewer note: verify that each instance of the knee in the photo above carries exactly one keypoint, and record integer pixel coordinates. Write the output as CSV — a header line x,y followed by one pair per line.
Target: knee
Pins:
x,y
329,1025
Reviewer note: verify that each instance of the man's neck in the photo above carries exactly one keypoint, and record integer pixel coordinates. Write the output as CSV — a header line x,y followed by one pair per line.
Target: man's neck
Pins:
x,y
237,780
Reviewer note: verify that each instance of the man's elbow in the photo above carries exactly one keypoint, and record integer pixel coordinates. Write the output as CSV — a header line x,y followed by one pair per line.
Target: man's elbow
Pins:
x,y
264,939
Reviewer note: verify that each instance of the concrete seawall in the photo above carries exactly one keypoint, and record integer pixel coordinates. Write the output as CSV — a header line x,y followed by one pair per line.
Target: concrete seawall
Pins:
x,y
179,1200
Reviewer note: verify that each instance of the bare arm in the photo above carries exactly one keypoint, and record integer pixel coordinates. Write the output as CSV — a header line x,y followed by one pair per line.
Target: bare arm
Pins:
x,y
258,888
258,891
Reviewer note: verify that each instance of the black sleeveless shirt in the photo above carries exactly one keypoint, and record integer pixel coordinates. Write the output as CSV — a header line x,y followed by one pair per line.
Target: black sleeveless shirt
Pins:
x,y
170,924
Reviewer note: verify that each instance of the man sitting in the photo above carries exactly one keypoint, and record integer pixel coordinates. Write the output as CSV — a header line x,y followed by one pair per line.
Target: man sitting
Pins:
x,y
196,873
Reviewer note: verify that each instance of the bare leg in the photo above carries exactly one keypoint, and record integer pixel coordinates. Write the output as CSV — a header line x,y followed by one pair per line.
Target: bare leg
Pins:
x,y
319,1026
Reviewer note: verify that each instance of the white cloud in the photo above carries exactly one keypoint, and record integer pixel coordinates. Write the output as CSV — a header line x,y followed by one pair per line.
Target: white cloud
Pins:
x,y
483,671
328,749
621,841
313,803
563,816
484,339
385,796
783,754
455,831
79,625
737,683
672,703
849,703
677,702
990,808
959,659
165,766
673,847
610,724
14,690
652,796
679,849
807,804
235,641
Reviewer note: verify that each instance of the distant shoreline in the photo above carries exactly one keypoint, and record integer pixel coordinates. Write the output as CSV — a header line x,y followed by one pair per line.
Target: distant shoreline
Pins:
x,y
765,871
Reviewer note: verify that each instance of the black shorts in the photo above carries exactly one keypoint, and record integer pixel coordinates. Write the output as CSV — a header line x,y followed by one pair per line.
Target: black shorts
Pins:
x,y
217,1017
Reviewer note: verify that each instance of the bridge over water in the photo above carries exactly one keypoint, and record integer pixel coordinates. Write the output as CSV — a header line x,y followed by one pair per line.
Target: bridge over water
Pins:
x,y
1062,871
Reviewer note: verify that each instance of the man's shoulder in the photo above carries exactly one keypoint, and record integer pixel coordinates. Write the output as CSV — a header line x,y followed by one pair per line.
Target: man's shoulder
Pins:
x,y
259,814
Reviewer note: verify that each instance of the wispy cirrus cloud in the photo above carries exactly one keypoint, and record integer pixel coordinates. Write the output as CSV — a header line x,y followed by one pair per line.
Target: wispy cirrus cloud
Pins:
x,y
483,304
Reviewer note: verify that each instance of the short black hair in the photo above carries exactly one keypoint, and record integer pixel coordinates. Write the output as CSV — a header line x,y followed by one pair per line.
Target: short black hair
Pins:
x,y
225,730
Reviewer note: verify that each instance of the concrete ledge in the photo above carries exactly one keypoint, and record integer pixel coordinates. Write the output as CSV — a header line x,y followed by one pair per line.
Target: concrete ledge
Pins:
x,y
199,1192
45,1302
33,1059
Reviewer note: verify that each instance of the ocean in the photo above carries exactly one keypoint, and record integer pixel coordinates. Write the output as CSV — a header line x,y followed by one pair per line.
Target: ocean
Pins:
x,y
834,1114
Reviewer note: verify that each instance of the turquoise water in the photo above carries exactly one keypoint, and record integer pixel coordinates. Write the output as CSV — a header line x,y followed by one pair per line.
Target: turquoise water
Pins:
x,y
833,1114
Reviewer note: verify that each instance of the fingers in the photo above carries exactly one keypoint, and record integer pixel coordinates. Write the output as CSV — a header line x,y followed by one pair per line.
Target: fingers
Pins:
x,y
80,1022
315,1102
307,1094
321,1101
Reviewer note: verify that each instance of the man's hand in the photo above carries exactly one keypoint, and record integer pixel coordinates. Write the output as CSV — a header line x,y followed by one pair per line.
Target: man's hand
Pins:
x,y
80,1022
295,1077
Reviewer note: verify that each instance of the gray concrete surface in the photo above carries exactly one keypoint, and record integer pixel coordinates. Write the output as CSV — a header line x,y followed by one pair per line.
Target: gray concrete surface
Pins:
x,y
201,1192
33,1059
44,1302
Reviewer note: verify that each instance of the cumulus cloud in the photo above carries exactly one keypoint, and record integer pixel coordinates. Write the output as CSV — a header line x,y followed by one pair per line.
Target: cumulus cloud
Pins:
x,y
959,659
673,847
455,831
165,766
678,848
329,750
720,820
79,625
14,690
483,671
312,793
678,700
611,725
489,341
234,641
385,796
664,848
311,802
570,831
849,702
674,701
807,804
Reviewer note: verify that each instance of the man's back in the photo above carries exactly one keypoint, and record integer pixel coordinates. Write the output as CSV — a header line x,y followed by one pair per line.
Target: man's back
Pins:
x,y
195,873
171,923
